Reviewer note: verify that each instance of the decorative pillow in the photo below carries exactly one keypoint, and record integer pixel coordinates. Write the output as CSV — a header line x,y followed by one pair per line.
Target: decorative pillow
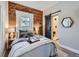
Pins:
x,y
23,34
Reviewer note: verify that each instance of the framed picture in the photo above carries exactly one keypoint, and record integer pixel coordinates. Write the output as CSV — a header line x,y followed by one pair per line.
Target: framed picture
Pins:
x,y
25,21
67,22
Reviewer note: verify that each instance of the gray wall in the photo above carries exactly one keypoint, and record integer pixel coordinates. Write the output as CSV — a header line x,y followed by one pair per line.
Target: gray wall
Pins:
x,y
3,24
68,36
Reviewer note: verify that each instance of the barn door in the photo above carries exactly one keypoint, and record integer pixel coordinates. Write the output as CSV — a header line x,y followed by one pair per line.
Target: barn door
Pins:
x,y
48,26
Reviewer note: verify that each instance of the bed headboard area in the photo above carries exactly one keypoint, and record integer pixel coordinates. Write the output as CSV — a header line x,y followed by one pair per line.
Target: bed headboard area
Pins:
x,y
24,34
37,17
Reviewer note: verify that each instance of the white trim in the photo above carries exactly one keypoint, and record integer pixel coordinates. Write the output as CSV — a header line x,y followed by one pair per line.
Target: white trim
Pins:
x,y
22,13
69,48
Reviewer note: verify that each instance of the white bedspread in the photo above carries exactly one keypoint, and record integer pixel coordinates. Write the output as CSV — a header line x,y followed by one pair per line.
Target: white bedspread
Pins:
x,y
24,47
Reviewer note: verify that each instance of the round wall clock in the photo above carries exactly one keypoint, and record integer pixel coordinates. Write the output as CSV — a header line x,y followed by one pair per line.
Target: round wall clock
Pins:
x,y
67,22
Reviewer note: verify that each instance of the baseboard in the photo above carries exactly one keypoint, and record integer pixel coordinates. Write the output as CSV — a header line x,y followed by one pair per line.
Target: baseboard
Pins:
x,y
69,48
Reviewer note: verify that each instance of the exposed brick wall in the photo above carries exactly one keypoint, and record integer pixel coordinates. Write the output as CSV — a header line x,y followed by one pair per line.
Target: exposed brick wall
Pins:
x,y
38,15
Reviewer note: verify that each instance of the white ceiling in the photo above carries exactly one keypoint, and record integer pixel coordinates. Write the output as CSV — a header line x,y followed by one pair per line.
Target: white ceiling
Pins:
x,y
40,5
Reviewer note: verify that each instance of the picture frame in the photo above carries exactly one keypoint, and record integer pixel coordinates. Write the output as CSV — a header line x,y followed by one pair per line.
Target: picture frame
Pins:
x,y
67,22
25,21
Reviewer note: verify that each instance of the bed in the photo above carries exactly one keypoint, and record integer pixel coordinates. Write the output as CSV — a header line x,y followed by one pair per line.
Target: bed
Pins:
x,y
37,46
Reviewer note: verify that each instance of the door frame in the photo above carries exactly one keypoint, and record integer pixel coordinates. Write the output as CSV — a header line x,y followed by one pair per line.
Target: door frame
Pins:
x,y
52,26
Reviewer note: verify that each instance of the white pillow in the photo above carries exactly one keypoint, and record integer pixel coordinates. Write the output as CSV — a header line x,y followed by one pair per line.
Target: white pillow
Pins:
x,y
18,40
